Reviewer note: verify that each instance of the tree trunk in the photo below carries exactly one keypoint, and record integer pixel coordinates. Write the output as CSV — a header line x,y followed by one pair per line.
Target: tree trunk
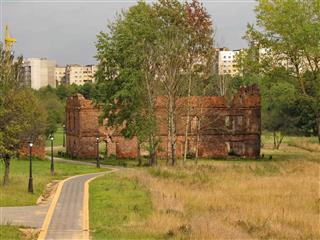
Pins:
x,y
187,121
318,126
153,158
139,154
153,151
277,140
198,139
172,130
6,169
168,139
274,140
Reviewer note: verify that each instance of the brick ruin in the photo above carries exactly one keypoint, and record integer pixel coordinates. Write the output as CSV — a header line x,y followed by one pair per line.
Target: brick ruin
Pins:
x,y
38,149
218,127
82,127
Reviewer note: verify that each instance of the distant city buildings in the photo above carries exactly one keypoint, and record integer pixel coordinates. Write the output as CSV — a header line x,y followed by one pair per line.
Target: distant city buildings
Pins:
x,y
39,72
80,74
226,63
75,74
60,75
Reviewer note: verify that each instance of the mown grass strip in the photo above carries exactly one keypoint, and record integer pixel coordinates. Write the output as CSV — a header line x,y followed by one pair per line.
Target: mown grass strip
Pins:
x,y
16,194
9,232
116,204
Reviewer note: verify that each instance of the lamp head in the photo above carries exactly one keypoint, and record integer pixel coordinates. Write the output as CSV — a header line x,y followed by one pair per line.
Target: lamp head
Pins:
x,y
30,144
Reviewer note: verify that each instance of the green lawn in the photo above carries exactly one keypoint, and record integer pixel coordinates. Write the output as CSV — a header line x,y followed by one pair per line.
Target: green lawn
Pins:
x,y
114,202
16,193
8,232
124,162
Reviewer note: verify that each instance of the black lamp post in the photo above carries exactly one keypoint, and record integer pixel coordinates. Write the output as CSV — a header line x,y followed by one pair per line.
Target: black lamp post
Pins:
x,y
98,160
64,135
52,165
30,185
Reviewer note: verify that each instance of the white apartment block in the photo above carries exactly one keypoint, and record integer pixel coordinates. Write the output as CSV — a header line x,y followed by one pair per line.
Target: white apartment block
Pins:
x,y
226,61
60,75
79,74
39,72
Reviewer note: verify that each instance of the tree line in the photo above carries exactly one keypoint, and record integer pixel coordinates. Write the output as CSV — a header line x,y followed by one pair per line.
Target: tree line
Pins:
x,y
287,71
26,114
166,48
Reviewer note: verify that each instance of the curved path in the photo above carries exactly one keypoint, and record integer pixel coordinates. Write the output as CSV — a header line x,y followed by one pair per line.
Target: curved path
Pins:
x,y
68,217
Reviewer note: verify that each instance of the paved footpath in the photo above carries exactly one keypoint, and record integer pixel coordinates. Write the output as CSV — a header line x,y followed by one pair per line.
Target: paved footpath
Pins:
x,y
67,221
63,217
31,216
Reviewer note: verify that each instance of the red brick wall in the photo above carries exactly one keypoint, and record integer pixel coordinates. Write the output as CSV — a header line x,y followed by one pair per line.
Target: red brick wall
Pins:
x,y
81,127
226,125
38,149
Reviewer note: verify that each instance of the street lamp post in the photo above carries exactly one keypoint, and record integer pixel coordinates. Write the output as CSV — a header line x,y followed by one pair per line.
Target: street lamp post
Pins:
x,y
64,135
52,165
30,185
98,160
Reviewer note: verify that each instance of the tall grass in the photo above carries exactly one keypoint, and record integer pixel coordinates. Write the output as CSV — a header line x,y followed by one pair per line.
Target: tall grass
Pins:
x,y
276,199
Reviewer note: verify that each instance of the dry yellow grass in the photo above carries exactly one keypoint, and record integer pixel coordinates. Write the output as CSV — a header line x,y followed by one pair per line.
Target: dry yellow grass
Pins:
x,y
303,143
277,199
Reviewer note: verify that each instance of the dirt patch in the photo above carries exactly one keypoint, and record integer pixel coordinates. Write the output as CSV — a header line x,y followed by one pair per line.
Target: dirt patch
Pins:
x,y
48,192
29,233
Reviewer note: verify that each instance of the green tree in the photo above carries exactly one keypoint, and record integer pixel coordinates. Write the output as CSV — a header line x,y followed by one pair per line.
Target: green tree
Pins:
x,y
279,98
55,109
126,75
200,56
21,114
152,50
290,31
87,90
63,91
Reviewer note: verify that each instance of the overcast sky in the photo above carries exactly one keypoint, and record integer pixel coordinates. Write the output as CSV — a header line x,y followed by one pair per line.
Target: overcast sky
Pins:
x,y
65,30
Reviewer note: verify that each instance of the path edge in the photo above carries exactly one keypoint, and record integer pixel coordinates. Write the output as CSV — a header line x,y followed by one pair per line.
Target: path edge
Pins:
x,y
86,224
47,220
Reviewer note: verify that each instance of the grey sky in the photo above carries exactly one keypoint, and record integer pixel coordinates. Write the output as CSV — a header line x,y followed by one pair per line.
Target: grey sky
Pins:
x,y
66,30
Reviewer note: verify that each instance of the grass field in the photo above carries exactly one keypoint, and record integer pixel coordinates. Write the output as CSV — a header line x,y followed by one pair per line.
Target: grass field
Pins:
x,y
9,232
221,199
16,193
115,201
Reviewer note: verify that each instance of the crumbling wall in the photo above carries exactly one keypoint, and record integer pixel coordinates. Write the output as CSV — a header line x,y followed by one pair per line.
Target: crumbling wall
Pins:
x,y
218,127
82,127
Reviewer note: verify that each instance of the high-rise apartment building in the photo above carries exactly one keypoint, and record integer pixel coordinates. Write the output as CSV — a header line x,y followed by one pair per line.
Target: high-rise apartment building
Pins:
x,y
39,72
79,74
60,75
226,61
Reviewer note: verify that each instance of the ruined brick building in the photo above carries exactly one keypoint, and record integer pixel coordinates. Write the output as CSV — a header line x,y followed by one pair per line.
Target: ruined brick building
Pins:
x,y
218,127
